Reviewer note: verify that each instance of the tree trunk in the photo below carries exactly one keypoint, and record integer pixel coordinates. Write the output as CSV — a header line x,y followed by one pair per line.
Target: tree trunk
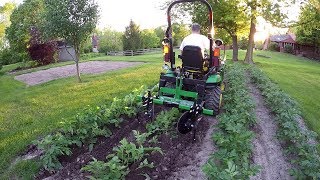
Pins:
x,y
235,48
77,65
249,55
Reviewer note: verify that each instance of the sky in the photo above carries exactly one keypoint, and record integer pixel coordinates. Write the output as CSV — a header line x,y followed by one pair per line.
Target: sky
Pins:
x,y
118,13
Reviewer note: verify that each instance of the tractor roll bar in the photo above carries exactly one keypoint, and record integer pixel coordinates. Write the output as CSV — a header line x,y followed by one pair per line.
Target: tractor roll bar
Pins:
x,y
169,29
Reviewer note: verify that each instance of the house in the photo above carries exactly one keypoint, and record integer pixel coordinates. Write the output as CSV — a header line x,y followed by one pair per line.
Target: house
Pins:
x,y
283,40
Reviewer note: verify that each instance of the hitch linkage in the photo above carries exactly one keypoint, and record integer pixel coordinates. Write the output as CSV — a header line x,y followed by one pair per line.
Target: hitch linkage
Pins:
x,y
147,103
195,111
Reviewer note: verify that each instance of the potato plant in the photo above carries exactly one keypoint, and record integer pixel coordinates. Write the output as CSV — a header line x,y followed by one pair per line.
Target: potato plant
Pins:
x,y
232,160
86,128
125,154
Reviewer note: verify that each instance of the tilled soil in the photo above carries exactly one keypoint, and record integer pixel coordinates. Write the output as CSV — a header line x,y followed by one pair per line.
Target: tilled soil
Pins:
x,y
182,157
267,151
92,67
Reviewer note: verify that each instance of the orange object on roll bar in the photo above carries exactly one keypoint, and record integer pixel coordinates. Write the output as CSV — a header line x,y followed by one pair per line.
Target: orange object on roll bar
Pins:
x,y
216,52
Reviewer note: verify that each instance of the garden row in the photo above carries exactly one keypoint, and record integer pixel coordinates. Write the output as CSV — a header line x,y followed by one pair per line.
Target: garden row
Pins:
x,y
287,113
85,129
232,160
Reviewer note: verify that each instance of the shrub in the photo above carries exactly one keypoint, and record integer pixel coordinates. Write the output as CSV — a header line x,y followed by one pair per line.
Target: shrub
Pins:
x,y
42,53
8,56
243,43
274,47
288,48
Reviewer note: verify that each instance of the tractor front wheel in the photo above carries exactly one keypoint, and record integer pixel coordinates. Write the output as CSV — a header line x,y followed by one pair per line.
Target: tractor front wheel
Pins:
x,y
213,99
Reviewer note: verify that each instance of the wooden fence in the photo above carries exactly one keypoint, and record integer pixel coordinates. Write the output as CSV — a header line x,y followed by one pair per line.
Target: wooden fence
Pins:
x,y
134,53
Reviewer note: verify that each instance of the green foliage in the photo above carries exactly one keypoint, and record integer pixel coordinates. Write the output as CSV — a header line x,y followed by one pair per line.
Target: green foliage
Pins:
x,y
25,16
288,48
113,169
287,112
160,33
273,46
229,17
308,29
243,43
9,56
163,121
54,146
110,40
132,37
179,32
91,55
86,128
5,12
232,160
149,39
125,154
72,20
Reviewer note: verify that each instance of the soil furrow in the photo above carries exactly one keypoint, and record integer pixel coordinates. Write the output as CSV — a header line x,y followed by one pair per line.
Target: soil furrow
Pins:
x,y
203,150
267,151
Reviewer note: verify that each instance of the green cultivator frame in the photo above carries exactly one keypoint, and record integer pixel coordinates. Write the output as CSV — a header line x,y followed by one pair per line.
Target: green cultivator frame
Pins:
x,y
194,88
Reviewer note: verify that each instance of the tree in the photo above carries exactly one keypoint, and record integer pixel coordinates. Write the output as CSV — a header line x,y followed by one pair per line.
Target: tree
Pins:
x,y
180,31
270,11
149,39
160,33
72,20
110,40
132,37
24,17
227,15
308,29
5,12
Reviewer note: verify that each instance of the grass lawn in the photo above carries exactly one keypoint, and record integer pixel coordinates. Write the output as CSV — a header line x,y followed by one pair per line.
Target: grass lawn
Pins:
x,y
297,76
29,112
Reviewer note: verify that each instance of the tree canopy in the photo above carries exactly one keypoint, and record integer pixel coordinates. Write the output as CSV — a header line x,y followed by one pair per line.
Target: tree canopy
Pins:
x,y
132,37
25,16
308,29
149,39
72,20
227,15
5,12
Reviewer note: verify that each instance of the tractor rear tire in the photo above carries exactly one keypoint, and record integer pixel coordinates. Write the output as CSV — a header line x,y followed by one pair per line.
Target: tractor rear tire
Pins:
x,y
213,99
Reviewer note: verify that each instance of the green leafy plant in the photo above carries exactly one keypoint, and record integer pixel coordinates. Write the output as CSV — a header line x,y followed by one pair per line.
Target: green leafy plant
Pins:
x,y
113,169
163,121
125,154
232,160
54,146
86,127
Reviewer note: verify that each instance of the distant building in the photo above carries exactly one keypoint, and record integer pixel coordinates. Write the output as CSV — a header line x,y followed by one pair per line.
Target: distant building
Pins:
x,y
95,43
283,40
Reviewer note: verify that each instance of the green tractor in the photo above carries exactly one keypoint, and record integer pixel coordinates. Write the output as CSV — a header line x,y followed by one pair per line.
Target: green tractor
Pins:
x,y
194,88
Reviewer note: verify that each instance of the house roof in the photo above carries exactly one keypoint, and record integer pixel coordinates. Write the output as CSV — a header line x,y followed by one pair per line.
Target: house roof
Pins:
x,y
282,38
